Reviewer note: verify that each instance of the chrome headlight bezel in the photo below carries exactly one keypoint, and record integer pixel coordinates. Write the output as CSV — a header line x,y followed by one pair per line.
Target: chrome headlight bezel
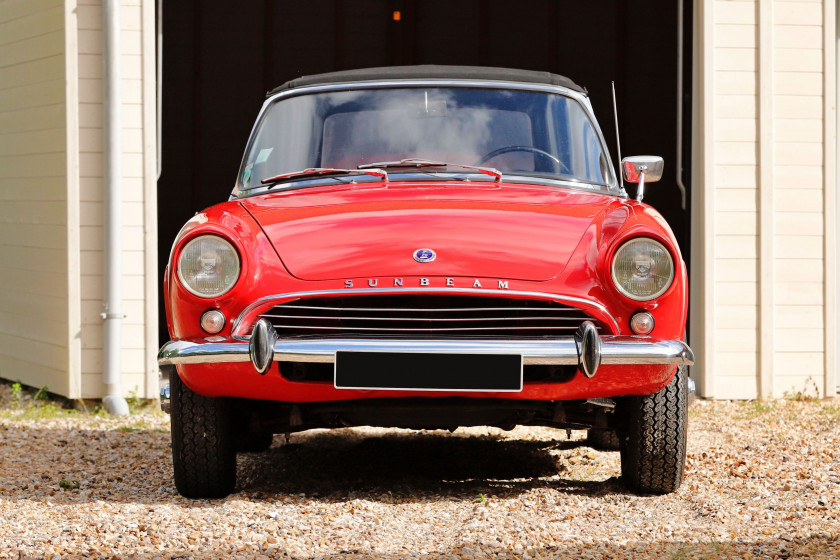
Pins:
x,y
230,273
659,249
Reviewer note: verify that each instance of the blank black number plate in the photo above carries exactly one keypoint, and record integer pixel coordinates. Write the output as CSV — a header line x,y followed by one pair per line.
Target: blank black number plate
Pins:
x,y
427,371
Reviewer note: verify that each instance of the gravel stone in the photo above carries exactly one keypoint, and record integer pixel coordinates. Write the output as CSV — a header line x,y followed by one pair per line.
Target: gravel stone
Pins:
x,y
762,481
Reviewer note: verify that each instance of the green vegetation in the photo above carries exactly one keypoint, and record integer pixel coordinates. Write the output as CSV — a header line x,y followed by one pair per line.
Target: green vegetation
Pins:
x,y
830,410
136,426
762,406
29,403
134,402
17,394
682,552
68,484
38,411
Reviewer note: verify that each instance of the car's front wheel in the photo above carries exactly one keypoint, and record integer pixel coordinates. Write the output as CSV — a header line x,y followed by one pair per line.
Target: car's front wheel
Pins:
x,y
203,452
652,436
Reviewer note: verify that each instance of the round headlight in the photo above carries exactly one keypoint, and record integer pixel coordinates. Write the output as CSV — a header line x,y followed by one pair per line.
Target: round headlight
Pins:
x,y
208,266
642,269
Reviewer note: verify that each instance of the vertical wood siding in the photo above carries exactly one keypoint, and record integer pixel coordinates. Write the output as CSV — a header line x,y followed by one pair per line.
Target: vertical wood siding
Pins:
x,y
35,332
735,310
135,350
798,335
766,170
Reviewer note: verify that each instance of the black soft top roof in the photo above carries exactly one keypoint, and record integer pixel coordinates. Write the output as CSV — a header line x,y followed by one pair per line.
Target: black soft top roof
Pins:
x,y
430,71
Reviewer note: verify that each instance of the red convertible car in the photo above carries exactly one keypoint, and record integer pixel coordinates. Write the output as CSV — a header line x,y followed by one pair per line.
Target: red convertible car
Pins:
x,y
427,247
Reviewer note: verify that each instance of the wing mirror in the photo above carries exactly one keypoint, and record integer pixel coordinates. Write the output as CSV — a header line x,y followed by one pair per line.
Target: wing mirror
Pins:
x,y
638,169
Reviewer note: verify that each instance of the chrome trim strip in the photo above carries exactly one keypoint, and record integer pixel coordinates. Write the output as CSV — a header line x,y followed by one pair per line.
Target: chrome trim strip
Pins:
x,y
615,350
429,82
424,309
386,330
436,290
417,319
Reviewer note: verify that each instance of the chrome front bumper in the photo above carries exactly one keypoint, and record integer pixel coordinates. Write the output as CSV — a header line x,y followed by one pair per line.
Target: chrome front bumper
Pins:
x,y
586,349
612,350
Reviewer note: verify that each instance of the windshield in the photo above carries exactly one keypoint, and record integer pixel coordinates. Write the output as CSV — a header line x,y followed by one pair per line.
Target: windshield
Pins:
x,y
520,133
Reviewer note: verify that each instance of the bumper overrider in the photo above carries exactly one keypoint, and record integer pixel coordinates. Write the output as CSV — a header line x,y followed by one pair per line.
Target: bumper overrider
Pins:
x,y
586,349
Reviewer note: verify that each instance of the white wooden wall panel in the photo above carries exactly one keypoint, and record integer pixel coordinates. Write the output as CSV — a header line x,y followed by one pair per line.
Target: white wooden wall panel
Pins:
x,y
798,229
35,314
136,347
733,312
765,166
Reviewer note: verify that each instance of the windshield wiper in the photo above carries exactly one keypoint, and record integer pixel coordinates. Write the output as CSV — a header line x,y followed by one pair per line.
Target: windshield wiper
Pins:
x,y
323,171
422,163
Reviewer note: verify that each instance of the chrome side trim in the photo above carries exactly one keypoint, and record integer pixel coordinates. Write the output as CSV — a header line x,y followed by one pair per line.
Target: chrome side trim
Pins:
x,y
472,291
615,350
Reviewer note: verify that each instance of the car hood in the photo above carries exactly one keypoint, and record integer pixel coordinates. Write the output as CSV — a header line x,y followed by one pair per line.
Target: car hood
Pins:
x,y
476,230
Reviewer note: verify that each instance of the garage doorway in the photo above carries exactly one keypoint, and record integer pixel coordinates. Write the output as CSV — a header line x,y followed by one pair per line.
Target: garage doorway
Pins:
x,y
219,59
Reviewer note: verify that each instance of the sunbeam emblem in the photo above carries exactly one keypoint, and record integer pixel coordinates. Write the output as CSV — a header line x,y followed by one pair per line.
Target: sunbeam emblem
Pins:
x,y
424,255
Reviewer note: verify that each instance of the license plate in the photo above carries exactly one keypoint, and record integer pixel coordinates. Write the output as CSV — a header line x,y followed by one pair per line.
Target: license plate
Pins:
x,y
422,371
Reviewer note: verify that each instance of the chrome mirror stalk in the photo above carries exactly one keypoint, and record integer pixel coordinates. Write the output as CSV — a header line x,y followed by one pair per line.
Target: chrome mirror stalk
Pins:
x,y
638,169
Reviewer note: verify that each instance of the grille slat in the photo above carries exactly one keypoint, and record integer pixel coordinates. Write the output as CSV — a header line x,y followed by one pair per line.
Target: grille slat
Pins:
x,y
287,306
408,329
423,316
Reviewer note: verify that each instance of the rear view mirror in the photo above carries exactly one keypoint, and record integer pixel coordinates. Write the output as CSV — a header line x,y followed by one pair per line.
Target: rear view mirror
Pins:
x,y
641,169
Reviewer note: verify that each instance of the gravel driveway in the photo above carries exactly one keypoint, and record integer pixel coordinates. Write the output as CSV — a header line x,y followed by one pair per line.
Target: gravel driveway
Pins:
x,y
763,481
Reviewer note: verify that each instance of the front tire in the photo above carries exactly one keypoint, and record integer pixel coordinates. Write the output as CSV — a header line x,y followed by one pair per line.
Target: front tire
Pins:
x,y
653,438
203,454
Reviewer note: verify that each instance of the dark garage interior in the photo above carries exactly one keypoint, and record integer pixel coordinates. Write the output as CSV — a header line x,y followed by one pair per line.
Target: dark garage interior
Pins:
x,y
220,58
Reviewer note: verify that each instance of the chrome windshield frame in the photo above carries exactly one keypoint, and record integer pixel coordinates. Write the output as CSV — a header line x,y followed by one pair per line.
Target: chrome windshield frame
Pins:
x,y
612,188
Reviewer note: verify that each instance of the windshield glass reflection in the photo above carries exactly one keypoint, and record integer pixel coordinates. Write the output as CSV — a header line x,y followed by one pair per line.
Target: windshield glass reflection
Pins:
x,y
523,133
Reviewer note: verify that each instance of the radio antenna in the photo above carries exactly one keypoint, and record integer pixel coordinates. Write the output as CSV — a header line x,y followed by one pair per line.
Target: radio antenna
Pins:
x,y
617,141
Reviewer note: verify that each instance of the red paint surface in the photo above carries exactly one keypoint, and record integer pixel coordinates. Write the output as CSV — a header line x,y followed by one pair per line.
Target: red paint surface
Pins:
x,y
514,232
538,239
242,380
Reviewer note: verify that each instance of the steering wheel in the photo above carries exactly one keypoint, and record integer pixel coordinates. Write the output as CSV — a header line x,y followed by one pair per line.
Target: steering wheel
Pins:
x,y
508,149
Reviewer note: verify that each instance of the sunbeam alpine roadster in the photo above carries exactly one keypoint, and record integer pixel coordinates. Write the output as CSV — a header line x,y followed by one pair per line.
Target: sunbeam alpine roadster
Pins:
x,y
427,247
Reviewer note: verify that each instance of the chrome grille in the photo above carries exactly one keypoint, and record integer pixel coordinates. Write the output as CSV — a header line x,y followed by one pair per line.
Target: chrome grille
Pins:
x,y
423,316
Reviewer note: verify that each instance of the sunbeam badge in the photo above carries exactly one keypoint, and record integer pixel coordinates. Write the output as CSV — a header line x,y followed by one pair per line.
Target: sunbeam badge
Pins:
x,y
424,255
